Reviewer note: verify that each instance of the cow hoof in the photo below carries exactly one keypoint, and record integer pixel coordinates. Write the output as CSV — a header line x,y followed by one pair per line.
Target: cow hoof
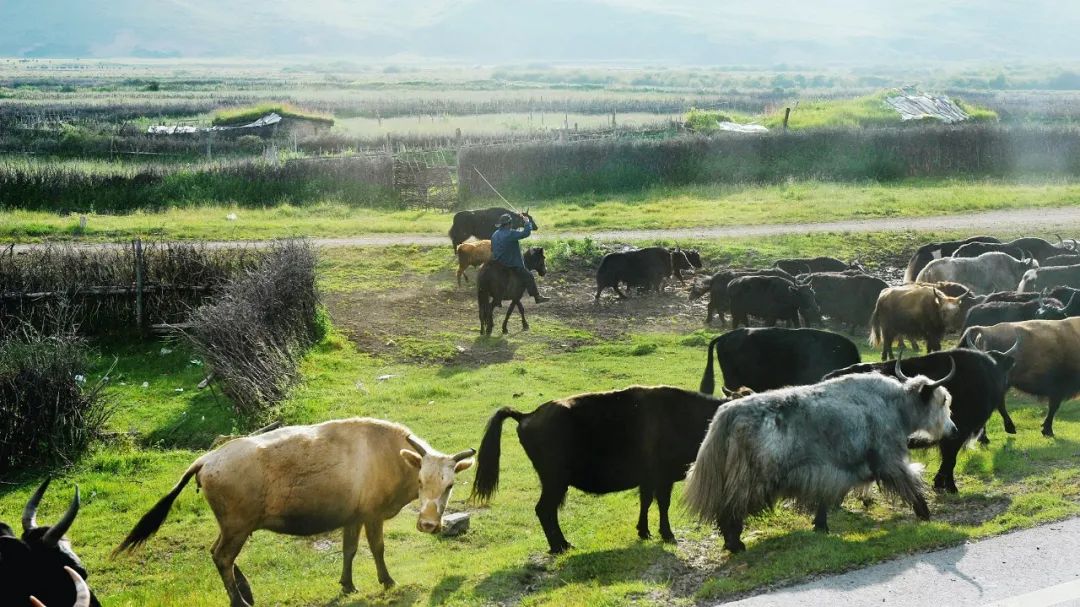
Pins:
x,y
1048,432
822,529
560,549
645,535
388,583
983,440
1010,429
348,588
668,538
736,547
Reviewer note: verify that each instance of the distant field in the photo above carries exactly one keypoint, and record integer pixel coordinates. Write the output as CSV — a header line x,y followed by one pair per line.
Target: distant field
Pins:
x,y
492,124
653,209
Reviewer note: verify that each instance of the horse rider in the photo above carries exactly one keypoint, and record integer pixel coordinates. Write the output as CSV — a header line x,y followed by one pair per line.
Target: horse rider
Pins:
x,y
506,250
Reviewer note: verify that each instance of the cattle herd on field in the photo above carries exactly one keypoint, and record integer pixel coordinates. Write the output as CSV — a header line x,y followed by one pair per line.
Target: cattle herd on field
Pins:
x,y
801,418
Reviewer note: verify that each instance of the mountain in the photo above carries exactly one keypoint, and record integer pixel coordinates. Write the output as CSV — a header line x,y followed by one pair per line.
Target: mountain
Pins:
x,y
762,32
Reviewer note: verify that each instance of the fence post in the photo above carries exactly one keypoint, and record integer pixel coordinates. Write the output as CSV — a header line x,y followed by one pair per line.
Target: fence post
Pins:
x,y
787,114
140,316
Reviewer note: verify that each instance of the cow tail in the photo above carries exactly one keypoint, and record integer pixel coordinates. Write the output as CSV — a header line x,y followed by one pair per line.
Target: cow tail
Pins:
x,y
487,462
875,328
708,383
707,495
152,520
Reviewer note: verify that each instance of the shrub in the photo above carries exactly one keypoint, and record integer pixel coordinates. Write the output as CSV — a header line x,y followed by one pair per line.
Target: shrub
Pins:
x,y
48,415
253,335
245,115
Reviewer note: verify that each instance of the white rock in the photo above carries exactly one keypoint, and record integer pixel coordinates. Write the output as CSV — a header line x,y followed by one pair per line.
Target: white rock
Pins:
x,y
455,524
231,217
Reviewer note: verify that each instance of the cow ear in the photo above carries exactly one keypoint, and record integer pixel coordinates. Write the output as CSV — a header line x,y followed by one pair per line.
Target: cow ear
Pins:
x,y
412,457
927,393
464,464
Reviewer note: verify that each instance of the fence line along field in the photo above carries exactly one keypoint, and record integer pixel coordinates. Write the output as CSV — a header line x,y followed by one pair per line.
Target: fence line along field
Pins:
x,y
312,393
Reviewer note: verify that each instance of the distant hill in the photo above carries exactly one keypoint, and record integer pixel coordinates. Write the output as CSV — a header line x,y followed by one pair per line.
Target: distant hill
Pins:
x,y
763,32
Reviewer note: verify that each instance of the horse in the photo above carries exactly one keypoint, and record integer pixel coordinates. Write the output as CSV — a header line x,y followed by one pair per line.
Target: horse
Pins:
x,y
495,283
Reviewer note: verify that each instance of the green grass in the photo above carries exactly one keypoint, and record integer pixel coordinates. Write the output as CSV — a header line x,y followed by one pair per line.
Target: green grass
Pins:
x,y
684,207
1016,482
245,115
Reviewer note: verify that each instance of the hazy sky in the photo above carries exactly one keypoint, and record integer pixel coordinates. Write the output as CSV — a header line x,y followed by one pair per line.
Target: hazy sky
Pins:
x,y
494,31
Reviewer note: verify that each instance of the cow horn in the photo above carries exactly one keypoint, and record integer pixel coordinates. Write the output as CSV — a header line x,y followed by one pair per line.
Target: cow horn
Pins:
x,y
82,591
948,376
29,517
464,455
900,372
56,533
1013,348
417,444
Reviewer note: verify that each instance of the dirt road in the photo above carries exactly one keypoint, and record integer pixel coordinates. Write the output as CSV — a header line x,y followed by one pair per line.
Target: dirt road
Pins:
x,y
1040,220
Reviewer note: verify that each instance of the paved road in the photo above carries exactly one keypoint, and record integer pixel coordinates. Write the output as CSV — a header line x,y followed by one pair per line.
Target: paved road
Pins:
x,y
1037,566
1014,220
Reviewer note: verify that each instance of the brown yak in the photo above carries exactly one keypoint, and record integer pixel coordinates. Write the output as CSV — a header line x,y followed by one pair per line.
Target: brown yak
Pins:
x,y
471,254
304,480
1047,357
913,311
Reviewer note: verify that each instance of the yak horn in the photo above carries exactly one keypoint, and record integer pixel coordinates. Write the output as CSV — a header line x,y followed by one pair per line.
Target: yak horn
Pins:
x,y
1060,241
82,591
457,457
29,517
900,372
417,444
1013,348
56,533
948,376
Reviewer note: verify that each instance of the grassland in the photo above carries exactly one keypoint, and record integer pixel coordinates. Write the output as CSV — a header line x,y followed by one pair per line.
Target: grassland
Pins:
x,y
659,208
400,315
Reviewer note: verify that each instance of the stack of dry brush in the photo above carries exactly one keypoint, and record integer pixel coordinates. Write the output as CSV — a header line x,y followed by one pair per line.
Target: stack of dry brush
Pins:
x,y
250,313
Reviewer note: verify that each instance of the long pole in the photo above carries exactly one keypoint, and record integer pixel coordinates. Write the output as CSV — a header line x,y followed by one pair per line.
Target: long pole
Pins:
x,y
494,190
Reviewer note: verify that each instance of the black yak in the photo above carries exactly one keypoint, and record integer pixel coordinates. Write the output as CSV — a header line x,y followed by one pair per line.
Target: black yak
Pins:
x,y
768,358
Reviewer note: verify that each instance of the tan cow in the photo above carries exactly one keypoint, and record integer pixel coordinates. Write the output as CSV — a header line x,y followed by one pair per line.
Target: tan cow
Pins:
x,y
304,480
471,254
913,311
1047,354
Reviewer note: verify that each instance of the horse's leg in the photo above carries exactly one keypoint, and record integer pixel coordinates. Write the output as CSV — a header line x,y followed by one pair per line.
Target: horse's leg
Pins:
x,y
521,310
509,311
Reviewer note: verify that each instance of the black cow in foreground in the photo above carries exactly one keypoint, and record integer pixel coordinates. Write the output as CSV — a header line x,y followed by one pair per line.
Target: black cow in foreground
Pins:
x,y
495,283
814,444
771,298
847,299
936,250
644,268
603,442
480,223
977,389
33,565
717,288
808,265
770,358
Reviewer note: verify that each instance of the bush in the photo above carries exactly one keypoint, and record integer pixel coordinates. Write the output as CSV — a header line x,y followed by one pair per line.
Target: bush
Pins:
x,y
47,414
253,335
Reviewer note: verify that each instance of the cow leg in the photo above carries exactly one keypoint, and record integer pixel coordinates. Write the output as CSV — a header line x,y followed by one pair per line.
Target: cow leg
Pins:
x,y
984,439
933,344
374,532
620,293
645,493
663,502
350,540
821,519
709,311
547,510
243,585
732,529
886,345
1010,427
225,550
944,480
1048,423
906,484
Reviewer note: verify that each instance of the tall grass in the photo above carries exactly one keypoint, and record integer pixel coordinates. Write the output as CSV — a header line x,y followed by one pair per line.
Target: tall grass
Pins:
x,y
244,115
543,170
112,187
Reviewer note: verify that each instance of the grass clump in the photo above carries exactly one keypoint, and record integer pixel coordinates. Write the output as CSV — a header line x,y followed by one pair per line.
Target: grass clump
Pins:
x,y
253,336
246,114
48,415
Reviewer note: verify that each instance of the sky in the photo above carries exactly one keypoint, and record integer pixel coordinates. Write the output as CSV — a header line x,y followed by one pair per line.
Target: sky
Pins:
x,y
761,32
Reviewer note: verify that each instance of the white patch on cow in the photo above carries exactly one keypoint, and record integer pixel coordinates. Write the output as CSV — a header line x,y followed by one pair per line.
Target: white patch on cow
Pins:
x,y
936,254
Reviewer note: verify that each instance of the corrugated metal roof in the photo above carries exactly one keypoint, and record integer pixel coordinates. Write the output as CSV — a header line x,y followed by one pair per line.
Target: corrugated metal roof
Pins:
x,y
920,106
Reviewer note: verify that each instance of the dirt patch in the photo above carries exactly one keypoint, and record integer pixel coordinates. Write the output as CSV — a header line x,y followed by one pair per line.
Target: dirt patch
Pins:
x,y
971,512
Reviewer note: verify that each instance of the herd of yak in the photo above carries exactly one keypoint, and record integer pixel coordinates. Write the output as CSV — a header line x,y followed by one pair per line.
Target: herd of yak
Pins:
x,y
801,417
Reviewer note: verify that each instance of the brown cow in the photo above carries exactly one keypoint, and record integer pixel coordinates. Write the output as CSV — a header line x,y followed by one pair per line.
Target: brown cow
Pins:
x,y
471,254
1047,358
913,311
303,480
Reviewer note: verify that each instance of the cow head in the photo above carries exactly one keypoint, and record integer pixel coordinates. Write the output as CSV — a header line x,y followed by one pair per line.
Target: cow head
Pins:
x,y
43,553
1028,260
808,305
532,222
436,472
700,288
951,309
1029,283
535,260
932,415
680,261
1050,309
